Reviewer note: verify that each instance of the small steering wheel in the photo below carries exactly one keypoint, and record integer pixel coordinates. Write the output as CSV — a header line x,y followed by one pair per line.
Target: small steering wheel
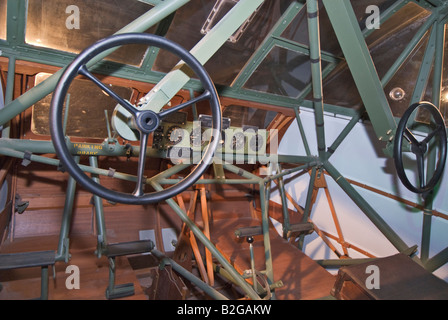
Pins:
x,y
144,121
420,148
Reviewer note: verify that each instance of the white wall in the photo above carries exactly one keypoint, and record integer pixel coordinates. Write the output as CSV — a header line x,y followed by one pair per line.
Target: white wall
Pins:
x,y
360,158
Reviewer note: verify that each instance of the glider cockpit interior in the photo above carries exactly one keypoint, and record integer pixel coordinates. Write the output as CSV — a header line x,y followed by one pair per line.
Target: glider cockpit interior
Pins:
x,y
223,149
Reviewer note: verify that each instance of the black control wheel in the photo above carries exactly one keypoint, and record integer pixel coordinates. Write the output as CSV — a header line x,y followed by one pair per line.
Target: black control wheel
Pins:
x,y
420,148
144,121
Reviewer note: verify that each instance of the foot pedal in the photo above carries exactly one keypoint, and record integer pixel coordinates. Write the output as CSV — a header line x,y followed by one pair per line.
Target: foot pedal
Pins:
x,y
300,228
120,291
249,231
122,249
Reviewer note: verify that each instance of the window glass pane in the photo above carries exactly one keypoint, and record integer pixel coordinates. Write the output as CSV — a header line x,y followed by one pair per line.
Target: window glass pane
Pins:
x,y
340,88
244,116
283,72
428,94
86,117
388,42
67,27
3,19
385,44
225,64
444,93
298,31
400,88
361,12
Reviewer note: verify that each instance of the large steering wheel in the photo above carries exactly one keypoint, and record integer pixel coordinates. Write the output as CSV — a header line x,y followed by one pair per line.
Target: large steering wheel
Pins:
x,y
145,121
420,148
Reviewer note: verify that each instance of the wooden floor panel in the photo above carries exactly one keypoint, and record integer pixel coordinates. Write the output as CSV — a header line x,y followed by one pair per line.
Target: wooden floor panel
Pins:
x,y
302,277
229,210
23,284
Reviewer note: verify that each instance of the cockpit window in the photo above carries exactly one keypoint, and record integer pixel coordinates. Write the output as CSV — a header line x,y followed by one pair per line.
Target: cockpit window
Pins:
x,y
187,29
244,116
3,19
385,45
283,72
444,106
71,26
264,55
88,106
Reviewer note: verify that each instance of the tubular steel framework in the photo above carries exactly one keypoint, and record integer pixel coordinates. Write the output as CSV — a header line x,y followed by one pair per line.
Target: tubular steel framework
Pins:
x,y
355,54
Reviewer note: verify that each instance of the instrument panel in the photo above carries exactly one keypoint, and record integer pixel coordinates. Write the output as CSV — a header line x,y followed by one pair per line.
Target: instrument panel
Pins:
x,y
176,134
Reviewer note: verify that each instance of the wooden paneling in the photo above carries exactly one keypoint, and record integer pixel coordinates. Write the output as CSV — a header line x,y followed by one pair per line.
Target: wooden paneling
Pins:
x,y
45,189
24,284
303,278
396,277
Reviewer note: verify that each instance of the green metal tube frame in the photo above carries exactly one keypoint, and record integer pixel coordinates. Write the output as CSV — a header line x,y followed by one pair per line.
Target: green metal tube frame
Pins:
x,y
210,246
62,252
141,24
212,292
358,58
19,105
316,74
382,128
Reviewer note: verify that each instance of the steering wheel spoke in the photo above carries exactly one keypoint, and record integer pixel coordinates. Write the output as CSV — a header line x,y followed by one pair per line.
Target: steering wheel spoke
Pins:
x,y
141,120
410,136
141,179
432,134
204,96
421,170
86,73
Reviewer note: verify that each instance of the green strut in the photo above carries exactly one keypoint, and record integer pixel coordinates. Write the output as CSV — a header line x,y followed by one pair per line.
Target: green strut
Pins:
x,y
35,94
316,74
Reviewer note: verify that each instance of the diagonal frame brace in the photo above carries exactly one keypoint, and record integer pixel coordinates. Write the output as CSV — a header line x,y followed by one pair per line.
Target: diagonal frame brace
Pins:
x,y
360,63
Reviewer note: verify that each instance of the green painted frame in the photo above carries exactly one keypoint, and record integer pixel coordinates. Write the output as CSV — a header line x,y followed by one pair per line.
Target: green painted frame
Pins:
x,y
356,54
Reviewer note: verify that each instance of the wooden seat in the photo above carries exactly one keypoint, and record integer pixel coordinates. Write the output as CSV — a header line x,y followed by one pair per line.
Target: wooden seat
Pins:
x,y
41,259
399,278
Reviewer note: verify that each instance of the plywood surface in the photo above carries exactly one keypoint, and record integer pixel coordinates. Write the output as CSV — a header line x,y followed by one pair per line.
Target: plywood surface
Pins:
x,y
303,278
23,284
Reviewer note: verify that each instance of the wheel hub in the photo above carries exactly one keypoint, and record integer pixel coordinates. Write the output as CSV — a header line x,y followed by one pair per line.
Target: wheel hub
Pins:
x,y
147,121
